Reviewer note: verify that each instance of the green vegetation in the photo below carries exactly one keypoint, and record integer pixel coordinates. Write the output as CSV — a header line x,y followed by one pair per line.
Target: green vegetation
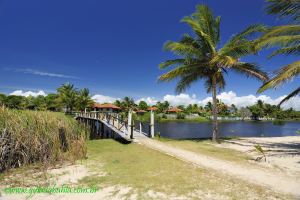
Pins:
x,y
67,99
146,170
200,57
38,136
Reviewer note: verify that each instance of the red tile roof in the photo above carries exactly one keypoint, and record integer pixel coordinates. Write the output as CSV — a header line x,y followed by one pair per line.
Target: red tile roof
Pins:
x,y
141,111
174,110
106,105
152,108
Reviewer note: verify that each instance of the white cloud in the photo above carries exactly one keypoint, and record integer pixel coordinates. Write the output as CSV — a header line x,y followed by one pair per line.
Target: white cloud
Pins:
x,y
41,73
28,93
148,100
181,99
243,101
103,99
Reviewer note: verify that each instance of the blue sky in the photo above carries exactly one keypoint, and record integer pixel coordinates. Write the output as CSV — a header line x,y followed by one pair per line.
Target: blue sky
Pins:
x,y
113,47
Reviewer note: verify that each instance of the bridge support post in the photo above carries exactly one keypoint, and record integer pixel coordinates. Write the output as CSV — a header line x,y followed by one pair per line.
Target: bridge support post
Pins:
x,y
130,125
152,124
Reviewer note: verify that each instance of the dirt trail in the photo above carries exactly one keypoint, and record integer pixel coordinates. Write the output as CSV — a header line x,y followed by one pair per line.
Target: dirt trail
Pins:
x,y
275,180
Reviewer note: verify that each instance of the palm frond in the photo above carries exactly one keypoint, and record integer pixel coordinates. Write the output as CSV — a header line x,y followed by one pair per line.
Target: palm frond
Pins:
x,y
185,82
283,40
284,8
287,51
205,37
182,49
168,63
294,93
250,70
281,30
178,72
240,45
223,60
283,75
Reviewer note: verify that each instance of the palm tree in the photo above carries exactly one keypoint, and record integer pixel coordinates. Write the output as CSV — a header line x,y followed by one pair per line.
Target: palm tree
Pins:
x,y
201,59
284,8
84,99
287,38
67,95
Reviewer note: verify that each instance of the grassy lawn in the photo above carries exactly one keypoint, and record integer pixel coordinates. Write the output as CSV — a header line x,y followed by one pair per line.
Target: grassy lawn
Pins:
x,y
148,173
144,169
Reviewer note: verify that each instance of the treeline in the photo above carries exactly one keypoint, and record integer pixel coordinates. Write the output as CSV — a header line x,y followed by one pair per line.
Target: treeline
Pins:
x,y
67,99
256,111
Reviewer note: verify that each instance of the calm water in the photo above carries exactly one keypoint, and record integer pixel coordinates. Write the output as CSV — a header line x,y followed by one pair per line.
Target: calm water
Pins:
x,y
180,130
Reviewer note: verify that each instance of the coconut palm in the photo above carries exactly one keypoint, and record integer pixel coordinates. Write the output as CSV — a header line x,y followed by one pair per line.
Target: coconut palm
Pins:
x,y
202,59
67,95
84,99
287,38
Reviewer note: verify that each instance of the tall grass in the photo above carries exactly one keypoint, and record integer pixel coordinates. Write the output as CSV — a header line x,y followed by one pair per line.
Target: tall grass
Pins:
x,y
36,136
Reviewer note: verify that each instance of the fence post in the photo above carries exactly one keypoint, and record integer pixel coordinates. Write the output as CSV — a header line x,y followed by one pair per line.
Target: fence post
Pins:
x,y
152,124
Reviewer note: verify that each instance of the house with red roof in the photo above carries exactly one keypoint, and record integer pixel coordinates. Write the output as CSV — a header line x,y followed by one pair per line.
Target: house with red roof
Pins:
x,y
174,110
107,107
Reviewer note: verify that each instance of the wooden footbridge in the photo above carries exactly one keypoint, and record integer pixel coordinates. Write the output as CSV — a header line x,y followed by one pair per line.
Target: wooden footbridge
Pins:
x,y
113,125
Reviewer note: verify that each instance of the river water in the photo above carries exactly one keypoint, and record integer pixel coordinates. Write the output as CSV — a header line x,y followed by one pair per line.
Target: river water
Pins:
x,y
186,130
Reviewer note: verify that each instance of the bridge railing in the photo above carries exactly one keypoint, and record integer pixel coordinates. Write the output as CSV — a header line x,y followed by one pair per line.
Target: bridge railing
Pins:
x,y
126,125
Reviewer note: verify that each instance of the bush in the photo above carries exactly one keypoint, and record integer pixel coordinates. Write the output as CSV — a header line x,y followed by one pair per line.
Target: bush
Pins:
x,y
164,116
180,116
36,136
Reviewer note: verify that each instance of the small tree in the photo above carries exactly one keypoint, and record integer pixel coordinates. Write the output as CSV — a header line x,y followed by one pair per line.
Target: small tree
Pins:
x,y
143,105
244,113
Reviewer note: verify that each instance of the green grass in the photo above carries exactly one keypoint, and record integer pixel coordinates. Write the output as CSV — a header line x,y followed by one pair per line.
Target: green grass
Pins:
x,y
111,163
207,147
144,169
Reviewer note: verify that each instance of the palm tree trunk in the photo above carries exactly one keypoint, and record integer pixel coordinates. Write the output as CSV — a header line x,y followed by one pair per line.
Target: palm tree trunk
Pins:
x,y
215,110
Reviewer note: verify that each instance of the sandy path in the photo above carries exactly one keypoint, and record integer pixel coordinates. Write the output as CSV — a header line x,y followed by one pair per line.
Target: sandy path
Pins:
x,y
276,181
282,152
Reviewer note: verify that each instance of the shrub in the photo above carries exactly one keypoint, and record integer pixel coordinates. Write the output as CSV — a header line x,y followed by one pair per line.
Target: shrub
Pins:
x,y
180,116
36,136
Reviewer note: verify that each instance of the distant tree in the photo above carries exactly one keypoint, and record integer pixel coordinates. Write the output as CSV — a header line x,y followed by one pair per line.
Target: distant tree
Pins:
x,y
234,109
118,103
244,113
128,103
208,107
257,110
84,99
52,102
143,105
40,103
182,107
67,95
2,99
162,106
15,102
